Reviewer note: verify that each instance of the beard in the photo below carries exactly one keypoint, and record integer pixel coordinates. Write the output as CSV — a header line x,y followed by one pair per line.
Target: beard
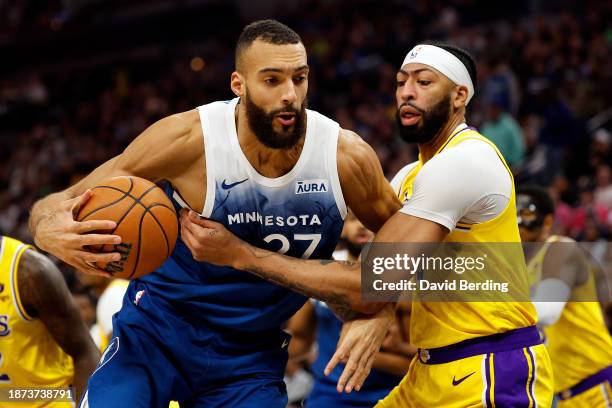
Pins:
x,y
261,123
433,120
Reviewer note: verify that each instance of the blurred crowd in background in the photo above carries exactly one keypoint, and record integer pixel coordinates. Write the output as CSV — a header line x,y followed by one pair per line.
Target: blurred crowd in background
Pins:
x,y
83,78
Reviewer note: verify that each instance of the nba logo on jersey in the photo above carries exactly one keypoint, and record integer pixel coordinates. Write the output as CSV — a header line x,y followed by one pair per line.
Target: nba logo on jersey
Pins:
x,y
139,294
311,186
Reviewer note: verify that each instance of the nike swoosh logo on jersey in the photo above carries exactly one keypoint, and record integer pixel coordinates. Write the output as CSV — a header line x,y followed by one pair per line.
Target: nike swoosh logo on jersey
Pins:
x,y
459,381
228,186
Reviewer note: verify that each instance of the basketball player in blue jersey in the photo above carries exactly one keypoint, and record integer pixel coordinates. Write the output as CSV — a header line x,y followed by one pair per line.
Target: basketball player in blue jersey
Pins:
x,y
459,191
274,173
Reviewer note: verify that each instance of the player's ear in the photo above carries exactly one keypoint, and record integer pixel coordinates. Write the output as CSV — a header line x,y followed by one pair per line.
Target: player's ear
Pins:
x,y
460,96
237,84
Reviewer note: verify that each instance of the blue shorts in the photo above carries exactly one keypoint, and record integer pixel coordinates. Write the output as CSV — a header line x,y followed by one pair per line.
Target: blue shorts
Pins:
x,y
156,356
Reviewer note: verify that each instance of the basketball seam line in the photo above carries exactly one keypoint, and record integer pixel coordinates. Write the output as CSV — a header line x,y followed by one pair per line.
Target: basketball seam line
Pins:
x,y
160,226
136,201
139,245
125,194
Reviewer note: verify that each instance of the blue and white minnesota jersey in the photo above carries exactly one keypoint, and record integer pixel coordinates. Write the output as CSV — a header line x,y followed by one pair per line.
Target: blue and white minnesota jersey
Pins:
x,y
299,214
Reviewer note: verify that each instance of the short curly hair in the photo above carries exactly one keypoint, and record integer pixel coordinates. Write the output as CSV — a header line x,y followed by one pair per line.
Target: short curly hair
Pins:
x,y
269,31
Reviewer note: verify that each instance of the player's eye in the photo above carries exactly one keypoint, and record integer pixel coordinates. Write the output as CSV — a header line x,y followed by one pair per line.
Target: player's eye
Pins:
x,y
271,81
400,83
299,79
423,82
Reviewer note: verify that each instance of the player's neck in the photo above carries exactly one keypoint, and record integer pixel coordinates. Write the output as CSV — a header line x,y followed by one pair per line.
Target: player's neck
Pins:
x,y
428,150
530,249
268,162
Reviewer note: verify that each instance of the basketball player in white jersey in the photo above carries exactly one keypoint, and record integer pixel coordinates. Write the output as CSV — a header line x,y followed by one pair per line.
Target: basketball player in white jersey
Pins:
x,y
274,173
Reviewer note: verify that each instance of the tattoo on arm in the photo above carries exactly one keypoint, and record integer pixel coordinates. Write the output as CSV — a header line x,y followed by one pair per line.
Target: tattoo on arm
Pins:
x,y
344,313
326,295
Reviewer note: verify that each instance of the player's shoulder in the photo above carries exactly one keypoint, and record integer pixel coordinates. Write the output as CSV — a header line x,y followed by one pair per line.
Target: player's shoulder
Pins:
x,y
176,134
182,123
473,145
562,247
353,149
562,239
36,266
470,156
37,269
39,280
356,160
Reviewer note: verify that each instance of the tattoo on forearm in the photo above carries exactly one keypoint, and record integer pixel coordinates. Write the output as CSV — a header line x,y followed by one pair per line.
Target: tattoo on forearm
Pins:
x,y
323,294
344,313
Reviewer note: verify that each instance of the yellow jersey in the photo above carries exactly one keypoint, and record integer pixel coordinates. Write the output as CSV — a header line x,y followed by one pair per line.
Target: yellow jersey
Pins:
x,y
579,343
439,324
29,356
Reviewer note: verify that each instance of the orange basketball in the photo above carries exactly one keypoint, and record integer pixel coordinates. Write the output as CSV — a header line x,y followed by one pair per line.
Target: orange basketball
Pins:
x,y
146,222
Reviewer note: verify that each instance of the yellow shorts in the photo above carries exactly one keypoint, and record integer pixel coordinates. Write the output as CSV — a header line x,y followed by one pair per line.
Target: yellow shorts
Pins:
x,y
599,396
516,378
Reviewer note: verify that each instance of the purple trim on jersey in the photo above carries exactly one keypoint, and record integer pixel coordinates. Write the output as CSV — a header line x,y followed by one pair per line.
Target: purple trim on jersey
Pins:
x,y
510,340
456,134
488,381
511,373
534,373
599,377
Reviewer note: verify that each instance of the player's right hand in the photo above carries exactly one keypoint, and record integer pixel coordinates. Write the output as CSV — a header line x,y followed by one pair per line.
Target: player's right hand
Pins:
x,y
59,234
360,339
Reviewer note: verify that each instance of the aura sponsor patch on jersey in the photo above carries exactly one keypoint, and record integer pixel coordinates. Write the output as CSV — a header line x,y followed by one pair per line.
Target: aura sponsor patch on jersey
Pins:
x,y
311,186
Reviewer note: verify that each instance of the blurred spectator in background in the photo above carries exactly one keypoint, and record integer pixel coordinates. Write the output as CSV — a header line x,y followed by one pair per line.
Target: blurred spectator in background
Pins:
x,y
86,301
603,189
81,78
502,129
501,86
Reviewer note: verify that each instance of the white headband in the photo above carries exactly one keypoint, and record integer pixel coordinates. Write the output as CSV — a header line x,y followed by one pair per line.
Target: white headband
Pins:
x,y
443,61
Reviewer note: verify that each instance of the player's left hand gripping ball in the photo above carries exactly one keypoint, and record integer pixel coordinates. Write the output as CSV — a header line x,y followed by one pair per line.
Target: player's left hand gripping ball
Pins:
x,y
208,241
